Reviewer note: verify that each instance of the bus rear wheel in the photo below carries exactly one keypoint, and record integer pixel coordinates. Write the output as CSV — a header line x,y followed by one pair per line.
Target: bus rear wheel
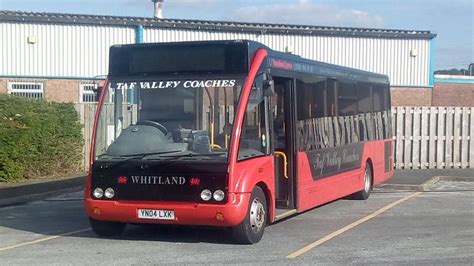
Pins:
x,y
106,229
251,229
368,183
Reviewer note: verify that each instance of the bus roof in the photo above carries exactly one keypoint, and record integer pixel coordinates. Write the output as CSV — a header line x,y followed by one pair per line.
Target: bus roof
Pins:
x,y
297,63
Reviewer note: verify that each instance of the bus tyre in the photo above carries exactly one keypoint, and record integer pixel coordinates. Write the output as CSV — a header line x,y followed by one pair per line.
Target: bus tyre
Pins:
x,y
107,229
368,182
251,229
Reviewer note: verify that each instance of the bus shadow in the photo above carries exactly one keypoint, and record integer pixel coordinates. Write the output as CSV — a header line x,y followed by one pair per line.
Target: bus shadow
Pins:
x,y
176,234
347,198
58,217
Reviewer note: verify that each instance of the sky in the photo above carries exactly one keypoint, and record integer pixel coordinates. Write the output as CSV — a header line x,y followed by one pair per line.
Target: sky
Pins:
x,y
451,20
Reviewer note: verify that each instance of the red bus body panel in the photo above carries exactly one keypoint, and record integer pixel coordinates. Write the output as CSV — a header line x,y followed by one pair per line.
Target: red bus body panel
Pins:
x,y
185,213
313,193
257,171
250,173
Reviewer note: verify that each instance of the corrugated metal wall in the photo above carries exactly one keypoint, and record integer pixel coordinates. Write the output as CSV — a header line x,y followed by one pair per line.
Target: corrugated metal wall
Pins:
x,y
82,50
60,50
387,56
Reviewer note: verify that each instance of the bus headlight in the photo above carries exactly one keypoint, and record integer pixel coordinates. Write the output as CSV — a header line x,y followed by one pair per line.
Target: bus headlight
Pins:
x,y
98,193
206,195
218,195
109,193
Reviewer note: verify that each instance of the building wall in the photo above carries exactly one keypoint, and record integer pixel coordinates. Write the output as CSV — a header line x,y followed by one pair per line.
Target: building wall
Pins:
x,y
391,57
453,94
58,90
411,96
62,90
58,50
81,51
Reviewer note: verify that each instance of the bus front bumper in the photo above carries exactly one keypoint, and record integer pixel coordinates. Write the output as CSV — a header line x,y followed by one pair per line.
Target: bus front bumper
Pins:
x,y
185,213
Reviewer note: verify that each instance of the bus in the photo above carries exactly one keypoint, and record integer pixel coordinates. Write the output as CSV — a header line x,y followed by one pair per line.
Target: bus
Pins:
x,y
231,134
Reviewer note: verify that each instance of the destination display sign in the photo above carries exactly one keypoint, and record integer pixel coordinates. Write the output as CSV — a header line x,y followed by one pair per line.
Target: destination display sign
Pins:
x,y
173,84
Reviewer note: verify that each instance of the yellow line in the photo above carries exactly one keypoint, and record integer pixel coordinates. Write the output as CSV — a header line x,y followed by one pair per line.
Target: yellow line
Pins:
x,y
43,239
349,226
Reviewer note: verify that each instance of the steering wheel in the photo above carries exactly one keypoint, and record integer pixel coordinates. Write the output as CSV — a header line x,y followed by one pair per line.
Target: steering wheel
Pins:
x,y
154,124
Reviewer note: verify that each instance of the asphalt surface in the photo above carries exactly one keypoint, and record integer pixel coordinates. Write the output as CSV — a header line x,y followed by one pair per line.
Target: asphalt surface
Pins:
x,y
419,176
426,228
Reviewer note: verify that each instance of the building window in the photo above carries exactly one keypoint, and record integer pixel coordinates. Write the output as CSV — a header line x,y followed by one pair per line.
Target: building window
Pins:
x,y
88,93
30,89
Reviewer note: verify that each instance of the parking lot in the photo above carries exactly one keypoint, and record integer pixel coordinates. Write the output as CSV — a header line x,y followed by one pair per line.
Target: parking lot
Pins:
x,y
394,227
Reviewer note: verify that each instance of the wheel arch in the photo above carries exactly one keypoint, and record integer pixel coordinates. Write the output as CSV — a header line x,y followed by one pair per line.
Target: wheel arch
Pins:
x,y
369,162
268,199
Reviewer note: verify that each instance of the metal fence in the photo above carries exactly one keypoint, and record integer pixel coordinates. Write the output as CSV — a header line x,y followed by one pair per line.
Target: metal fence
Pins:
x,y
425,137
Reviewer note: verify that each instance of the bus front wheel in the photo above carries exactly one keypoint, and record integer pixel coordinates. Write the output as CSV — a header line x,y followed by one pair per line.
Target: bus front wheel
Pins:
x,y
106,229
251,229
368,183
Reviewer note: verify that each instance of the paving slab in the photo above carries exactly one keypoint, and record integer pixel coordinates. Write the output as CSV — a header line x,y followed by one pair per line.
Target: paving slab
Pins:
x,y
425,179
420,176
20,193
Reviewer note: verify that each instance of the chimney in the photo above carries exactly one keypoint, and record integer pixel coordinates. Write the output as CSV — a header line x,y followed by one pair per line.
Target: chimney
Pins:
x,y
158,8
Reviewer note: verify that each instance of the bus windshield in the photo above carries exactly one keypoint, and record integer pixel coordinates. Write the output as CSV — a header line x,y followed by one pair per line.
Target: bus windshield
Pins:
x,y
163,119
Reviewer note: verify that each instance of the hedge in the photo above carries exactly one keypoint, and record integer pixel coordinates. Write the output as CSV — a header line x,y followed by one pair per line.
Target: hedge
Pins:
x,y
38,139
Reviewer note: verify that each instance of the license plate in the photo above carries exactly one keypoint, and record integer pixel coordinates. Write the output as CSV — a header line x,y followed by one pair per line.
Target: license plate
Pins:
x,y
155,214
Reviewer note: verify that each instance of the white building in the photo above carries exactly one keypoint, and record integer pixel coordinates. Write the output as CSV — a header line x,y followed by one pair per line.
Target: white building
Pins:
x,y
58,56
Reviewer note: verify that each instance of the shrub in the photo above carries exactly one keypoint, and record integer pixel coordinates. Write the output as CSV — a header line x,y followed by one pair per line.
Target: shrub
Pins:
x,y
38,138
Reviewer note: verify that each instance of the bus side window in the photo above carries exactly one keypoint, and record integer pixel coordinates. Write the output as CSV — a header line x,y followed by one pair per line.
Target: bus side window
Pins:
x,y
310,94
319,96
331,103
253,139
347,97
364,96
279,116
379,98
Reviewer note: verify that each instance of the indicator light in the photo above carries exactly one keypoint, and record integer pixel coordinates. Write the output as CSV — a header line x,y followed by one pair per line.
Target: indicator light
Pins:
x,y
219,216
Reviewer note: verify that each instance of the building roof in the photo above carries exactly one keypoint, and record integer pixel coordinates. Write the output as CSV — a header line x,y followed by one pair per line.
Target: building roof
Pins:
x,y
206,25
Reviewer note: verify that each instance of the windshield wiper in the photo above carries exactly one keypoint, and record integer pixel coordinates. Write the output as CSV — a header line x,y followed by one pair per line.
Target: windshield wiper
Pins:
x,y
192,154
143,155
164,157
129,157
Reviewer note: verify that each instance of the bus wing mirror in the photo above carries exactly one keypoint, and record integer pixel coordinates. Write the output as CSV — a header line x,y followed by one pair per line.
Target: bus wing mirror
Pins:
x,y
268,88
97,90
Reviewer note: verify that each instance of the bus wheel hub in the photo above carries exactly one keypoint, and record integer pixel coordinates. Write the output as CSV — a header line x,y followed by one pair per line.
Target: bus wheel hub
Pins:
x,y
257,215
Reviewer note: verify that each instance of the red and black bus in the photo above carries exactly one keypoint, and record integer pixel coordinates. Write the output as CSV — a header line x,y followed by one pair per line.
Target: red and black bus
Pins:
x,y
231,134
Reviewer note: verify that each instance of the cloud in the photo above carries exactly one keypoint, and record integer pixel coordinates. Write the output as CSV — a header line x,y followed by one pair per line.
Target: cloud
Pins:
x,y
307,13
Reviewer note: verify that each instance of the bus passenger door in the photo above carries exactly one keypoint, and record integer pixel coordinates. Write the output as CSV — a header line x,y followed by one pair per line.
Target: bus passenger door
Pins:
x,y
283,142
